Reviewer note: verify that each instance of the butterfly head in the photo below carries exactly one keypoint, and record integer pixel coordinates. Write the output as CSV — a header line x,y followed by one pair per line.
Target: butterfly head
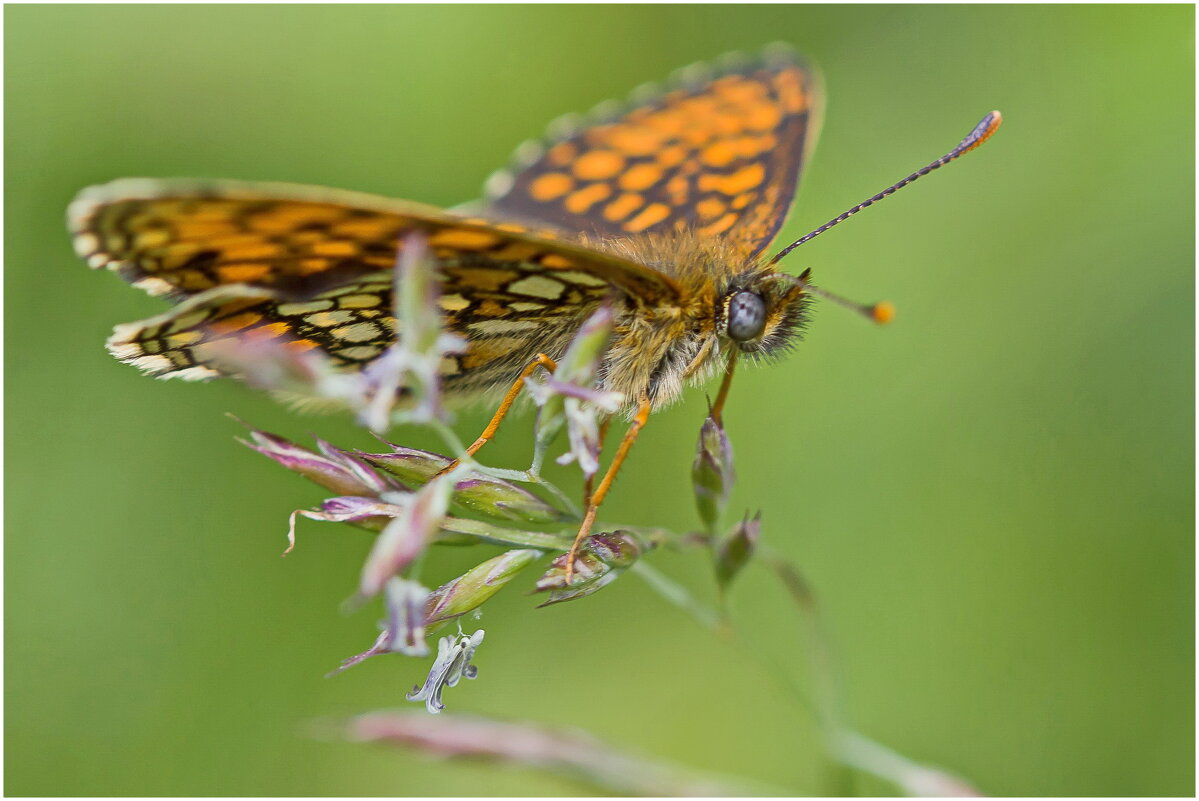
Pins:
x,y
763,313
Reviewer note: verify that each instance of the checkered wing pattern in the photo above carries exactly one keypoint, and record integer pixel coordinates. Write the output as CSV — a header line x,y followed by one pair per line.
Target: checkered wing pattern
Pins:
x,y
719,154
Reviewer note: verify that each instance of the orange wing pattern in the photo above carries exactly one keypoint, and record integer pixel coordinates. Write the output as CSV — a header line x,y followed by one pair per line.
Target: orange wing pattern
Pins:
x,y
720,154
179,238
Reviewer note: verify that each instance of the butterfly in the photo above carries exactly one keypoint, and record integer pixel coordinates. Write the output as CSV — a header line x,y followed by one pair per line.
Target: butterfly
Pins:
x,y
662,207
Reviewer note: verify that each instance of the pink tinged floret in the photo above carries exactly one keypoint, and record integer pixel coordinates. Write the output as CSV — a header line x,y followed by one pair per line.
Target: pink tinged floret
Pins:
x,y
403,539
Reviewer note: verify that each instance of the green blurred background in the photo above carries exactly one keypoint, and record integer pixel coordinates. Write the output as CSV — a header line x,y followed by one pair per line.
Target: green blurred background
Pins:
x,y
992,497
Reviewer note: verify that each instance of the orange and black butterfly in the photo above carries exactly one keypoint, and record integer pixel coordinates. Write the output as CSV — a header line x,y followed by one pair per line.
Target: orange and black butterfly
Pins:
x,y
663,208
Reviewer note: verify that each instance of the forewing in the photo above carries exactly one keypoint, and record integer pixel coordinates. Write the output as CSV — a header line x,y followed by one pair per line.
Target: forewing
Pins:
x,y
180,238
719,153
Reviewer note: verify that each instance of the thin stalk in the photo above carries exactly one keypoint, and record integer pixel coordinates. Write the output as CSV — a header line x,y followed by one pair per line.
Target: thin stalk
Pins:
x,y
680,596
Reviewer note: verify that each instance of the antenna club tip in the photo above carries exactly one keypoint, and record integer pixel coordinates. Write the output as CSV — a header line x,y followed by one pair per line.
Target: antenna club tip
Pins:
x,y
883,312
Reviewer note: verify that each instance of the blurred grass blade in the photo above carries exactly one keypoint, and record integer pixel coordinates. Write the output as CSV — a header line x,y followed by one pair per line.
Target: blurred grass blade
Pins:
x,y
564,752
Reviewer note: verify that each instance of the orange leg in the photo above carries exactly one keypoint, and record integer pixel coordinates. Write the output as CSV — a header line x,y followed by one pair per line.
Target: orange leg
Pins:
x,y
540,360
596,498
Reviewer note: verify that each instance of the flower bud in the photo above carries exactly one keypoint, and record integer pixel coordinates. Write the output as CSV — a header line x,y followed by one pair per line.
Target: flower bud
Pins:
x,y
332,468
734,551
470,590
600,561
496,498
712,473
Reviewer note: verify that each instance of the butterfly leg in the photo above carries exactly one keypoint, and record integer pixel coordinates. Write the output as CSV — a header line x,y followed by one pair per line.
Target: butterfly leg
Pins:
x,y
596,498
540,360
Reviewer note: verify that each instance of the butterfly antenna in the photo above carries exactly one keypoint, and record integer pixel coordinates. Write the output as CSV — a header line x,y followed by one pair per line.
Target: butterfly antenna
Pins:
x,y
882,312
981,133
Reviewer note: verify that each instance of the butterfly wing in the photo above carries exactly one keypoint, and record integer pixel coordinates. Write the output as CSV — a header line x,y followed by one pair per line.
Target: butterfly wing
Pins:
x,y
311,269
719,154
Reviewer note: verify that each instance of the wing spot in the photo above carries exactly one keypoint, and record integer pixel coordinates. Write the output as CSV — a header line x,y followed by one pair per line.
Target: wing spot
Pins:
x,y
188,320
582,200
562,154
720,226
242,273
311,266
735,183
482,278
669,122
672,156
698,135
329,319
491,308
598,165
300,309
369,228
515,251
358,332
359,302
730,123
360,353
268,331
576,277
550,186
735,89
239,321
153,237
677,187
790,91
635,140
333,248
652,214
640,176
464,239
622,207
719,154
556,262
300,345
538,286
86,244
710,208
180,339
763,117
453,303
202,229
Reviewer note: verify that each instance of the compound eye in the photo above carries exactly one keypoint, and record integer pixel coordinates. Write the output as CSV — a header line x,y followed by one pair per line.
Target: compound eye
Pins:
x,y
746,316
